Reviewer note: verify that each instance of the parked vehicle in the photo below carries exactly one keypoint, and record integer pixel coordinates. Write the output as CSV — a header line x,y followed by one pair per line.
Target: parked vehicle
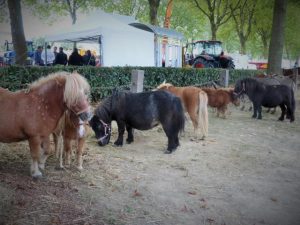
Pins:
x,y
9,55
206,54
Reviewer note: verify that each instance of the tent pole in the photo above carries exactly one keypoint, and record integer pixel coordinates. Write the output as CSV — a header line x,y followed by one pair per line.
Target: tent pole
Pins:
x,y
100,50
45,49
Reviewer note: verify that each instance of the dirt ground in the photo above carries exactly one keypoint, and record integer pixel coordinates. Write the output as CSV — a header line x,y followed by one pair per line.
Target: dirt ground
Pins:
x,y
246,172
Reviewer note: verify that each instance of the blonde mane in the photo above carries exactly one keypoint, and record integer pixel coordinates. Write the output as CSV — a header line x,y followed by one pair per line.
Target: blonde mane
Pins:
x,y
53,76
164,85
76,86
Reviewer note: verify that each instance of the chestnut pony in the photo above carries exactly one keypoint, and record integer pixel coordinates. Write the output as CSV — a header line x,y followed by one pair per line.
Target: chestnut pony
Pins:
x,y
220,98
33,114
70,128
194,101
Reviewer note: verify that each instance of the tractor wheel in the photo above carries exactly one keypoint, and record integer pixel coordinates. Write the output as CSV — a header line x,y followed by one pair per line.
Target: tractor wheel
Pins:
x,y
230,65
202,63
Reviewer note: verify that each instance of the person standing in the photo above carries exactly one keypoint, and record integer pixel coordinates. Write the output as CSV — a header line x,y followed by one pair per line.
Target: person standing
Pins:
x,y
75,59
89,59
38,56
50,56
55,53
61,57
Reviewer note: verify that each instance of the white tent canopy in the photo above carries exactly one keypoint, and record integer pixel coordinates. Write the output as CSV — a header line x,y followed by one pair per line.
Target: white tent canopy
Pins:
x,y
121,44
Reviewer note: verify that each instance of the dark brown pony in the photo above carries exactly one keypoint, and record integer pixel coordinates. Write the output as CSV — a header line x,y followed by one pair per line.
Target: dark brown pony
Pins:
x,y
33,114
220,98
70,128
195,102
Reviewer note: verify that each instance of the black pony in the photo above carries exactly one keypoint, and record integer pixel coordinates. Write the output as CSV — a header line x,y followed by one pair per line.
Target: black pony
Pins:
x,y
268,96
141,111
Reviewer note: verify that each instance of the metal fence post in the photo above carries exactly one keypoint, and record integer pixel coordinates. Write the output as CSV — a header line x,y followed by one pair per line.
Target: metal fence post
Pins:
x,y
295,77
137,81
224,78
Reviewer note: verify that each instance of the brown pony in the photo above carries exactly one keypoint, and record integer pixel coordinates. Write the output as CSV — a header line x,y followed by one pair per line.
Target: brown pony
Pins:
x,y
70,128
194,101
33,114
220,98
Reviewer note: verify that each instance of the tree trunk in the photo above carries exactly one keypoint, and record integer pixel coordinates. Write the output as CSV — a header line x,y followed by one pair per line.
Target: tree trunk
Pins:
x,y
265,49
243,44
168,14
154,4
277,37
17,31
213,32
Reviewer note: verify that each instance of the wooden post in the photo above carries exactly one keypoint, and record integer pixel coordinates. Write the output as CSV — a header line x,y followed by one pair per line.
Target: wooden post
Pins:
x,y
137,81
224,78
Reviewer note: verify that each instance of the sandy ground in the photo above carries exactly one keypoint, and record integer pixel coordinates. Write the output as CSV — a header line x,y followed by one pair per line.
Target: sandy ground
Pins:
x,y
246,172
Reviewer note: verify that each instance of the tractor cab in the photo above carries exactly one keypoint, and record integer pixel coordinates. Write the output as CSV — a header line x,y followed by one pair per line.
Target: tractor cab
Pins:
x,y
206,54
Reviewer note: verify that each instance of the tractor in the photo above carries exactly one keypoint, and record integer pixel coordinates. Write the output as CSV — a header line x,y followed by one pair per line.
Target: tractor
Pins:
x,y
10,55
206,54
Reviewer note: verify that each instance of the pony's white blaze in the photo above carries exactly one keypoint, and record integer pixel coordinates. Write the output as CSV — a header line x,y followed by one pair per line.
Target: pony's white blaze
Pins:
x,y
81,130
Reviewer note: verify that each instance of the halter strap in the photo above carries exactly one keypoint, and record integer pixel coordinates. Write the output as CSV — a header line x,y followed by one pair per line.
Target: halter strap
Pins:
x,y
243,89
107,130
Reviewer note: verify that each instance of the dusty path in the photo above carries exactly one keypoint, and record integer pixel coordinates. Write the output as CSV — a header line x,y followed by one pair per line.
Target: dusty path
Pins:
x,y
246,172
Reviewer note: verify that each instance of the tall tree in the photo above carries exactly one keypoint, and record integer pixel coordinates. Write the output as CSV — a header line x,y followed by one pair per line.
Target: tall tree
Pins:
x,y
292,31
135,8
262,25
243,18
17,31
168,14
277,37
46,9
217,11
154,4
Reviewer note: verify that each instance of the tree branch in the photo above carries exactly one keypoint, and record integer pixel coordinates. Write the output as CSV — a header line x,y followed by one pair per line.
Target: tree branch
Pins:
x,y
202,10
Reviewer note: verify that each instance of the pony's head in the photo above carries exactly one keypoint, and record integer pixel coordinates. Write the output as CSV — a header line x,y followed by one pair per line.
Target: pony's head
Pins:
x,y
76,95
164,86
235,100
102,130
239,89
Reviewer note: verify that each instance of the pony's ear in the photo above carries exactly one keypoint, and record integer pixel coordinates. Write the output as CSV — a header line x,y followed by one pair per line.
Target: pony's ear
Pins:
x,y
74,71
164,82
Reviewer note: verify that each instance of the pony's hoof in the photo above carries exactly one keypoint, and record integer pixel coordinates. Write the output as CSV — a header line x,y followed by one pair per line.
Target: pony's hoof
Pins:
x,y
59,167
129,141
37,175
79,168
42,166
118,144
168,152
280,119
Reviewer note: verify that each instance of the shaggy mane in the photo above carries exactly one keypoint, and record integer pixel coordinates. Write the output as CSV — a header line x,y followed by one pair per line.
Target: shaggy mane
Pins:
x,y
164,85
76,86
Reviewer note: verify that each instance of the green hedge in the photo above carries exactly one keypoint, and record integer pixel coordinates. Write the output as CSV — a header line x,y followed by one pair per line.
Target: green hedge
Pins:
x,y
104,79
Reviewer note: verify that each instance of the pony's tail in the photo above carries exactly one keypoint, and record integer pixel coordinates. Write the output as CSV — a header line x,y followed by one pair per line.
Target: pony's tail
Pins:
x,y
203,113
179,116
